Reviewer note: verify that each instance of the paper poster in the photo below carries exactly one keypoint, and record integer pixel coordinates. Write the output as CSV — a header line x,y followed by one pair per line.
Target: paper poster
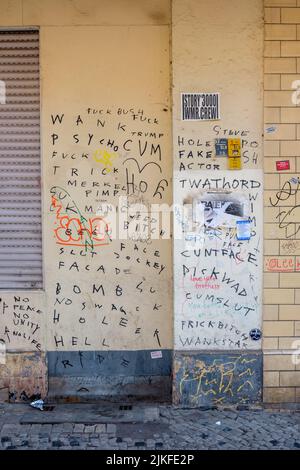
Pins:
x,y
282,165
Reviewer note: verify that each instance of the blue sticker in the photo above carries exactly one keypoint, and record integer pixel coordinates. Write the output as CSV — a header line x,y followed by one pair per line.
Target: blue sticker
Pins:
x,y
255,334
221,147
243,230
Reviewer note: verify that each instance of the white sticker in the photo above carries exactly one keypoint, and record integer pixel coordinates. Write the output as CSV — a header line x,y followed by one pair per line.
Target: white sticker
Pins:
x,y
200,106
194,241
156,354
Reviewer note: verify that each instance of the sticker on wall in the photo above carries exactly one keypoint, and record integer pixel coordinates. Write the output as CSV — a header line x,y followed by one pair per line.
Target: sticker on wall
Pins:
x,y
200,106
220,209
243,230
294,180
156,354
221,146
255,334
234,163
282,165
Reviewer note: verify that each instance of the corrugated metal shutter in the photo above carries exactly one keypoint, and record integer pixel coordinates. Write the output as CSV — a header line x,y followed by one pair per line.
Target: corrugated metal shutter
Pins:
x,y
20,184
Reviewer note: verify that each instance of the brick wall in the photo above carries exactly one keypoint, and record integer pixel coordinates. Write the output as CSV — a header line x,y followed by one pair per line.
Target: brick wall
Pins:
x,y
282,196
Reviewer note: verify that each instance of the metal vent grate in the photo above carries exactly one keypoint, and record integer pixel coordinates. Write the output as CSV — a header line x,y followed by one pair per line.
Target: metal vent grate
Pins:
x,y
20,174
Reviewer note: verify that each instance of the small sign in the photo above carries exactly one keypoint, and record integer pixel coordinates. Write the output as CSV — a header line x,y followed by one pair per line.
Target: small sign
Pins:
x,y
200,106
234,163
221,146
255,334
156,354
270,129
282,165
234,147
243,230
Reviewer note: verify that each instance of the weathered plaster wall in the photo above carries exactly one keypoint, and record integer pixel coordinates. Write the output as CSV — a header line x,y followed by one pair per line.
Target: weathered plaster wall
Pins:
x,y
217,47
106,294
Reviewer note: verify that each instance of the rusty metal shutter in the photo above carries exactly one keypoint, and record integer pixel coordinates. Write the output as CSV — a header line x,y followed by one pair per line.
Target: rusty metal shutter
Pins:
x,y
20,182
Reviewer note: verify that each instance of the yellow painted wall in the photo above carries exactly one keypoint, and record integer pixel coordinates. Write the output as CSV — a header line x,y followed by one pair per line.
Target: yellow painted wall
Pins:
x,y
92,53
120,68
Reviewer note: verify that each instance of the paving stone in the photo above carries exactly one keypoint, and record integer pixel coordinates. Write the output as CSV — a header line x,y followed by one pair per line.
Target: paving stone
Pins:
x,y
159,445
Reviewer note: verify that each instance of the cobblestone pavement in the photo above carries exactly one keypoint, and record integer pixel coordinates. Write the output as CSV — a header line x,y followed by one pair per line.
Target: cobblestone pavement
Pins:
x,y
177,429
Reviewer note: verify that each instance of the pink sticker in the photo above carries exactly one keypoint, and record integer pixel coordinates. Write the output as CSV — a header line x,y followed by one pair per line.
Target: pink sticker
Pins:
x,y
156,354
283,165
